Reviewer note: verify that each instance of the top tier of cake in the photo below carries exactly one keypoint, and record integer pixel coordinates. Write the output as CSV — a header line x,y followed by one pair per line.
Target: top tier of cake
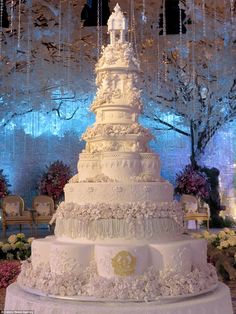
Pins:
x,y
117,145
118,182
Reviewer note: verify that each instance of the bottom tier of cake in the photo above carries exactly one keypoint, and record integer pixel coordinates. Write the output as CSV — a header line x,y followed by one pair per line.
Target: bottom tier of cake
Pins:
x,y
118,269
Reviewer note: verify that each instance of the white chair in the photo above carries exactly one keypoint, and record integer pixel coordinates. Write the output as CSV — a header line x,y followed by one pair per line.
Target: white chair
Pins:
x,y
194,211
14,213
43,209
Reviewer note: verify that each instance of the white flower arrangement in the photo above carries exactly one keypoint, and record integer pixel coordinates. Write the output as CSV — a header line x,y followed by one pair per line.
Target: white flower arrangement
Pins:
x,y
16,247
148,286
115,130
127,211
224,239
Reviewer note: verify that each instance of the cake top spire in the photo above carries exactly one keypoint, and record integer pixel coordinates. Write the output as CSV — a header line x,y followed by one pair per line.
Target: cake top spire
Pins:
x,y
117,26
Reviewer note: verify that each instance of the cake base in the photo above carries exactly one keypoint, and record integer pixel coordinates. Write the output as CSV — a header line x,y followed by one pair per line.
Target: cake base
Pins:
x,y
215,302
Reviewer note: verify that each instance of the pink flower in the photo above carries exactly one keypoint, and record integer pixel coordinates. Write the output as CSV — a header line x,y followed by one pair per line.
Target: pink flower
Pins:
x,y
9,270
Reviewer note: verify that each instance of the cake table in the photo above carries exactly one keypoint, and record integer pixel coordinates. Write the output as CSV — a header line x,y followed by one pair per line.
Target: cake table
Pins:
x,y
215,302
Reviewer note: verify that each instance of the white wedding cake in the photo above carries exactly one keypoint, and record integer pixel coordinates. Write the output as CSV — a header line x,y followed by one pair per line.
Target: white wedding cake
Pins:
x,y
118,235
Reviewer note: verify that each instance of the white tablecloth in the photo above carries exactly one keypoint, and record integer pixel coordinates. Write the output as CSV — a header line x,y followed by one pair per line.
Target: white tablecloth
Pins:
x,y
216,302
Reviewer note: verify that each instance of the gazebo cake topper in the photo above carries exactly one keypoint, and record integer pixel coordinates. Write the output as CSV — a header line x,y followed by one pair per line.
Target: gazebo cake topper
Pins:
x,y
117,26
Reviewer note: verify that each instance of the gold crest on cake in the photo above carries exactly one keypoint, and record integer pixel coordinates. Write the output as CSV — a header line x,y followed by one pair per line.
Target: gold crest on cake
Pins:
x,y
124,263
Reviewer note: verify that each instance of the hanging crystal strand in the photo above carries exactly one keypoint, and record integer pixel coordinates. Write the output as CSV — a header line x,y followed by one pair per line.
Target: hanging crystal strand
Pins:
x,y
193,73
101,35
98,29
68,44
19,25
232,12
59,31
203,18
158,60
133,30
164,36
28,67
180,36
12,15
225,24
143,13
215,44
193,42
1,29
80,48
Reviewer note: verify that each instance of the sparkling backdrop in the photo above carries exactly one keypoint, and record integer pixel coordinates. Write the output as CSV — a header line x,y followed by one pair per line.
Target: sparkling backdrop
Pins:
x,y
49,83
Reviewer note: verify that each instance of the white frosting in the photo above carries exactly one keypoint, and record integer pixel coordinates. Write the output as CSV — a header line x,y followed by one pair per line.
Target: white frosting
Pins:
x,y
121,192
40,251
116,228
69,257
119,201
179,256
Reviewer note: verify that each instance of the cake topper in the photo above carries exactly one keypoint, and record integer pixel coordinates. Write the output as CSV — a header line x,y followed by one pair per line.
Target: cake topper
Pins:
x,y
117,26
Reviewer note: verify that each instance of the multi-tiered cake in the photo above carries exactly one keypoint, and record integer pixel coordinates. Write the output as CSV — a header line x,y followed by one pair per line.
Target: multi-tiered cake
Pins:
x,y
118,235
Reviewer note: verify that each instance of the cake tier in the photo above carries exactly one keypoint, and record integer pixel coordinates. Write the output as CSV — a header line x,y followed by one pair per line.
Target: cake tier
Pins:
x,y
116,114
119,56
119,167
118,192
75,228
119,257
121,143
118,269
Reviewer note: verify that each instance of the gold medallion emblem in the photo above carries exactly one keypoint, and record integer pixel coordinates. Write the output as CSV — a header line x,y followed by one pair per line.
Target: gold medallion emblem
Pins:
x,y
124,263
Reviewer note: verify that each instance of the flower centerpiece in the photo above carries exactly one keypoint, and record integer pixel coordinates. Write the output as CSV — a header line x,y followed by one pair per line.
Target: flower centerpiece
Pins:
x,y
17,247
54,179
192,181
4,185
221,251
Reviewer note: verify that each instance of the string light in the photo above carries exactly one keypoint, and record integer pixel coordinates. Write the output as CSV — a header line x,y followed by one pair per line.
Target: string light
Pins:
x,y
19,24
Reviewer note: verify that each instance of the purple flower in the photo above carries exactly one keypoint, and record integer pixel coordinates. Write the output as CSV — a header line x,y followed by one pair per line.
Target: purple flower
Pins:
x,y
192,181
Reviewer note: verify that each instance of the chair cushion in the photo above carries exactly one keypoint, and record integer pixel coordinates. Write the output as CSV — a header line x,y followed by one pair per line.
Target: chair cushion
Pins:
x,y
191,207
12,209
43,209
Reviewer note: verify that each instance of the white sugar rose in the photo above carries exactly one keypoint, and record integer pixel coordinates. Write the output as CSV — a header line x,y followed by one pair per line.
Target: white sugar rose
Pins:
x,y
232,241
6,247
20,236
12,239
222,235
30,240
